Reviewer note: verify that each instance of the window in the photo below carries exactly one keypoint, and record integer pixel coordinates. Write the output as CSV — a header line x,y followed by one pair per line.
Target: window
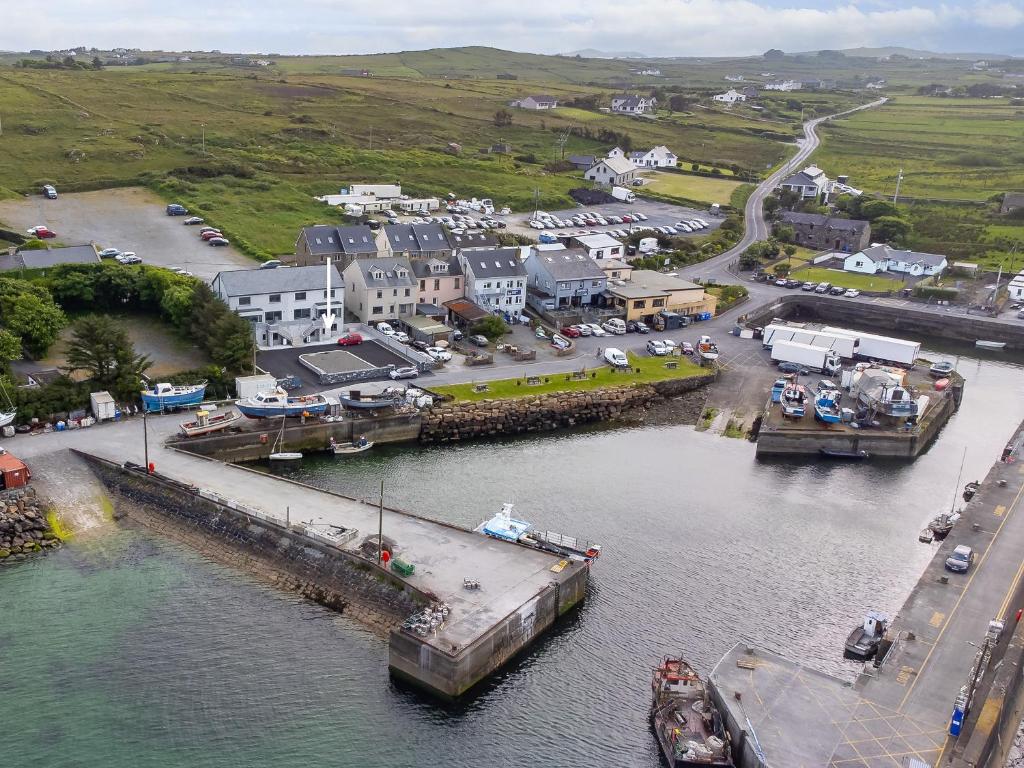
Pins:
x,y
275,298
658,303
272,317
407,291
244,301
391,309
300,296
380,294
508,284
641,304
394,291
519,283
423,285
437,286
615,274
377,311
457,284
301,314
487,285
858,263
596,283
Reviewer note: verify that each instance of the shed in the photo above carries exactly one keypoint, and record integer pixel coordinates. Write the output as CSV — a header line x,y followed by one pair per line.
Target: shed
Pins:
x,y
249,386
968,268
465,312
13,471
427,329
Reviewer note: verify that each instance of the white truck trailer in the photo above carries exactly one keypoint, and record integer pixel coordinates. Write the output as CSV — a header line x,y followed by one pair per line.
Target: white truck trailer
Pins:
x,y
623,194
845,345
102,406
871,346
819,359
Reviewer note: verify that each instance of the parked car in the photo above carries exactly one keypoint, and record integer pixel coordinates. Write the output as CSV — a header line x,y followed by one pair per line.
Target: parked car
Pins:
x,y
194,220
182,272
793,283
209,233
405,372
129,258
109,253
823,288
584,329
208,229
271,264
479,340
614,326
615,358
402,337
350,340
174,209
781,282
808,286
787,367
218,241
386,329
422,346
642,327
596,330
641,216
852,293
657,347
837,290
670,344
960,559
570,332
49,191
439,353
686,347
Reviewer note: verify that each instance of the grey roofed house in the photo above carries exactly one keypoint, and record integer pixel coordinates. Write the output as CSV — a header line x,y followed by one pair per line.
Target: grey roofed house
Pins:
x,y
497,262
473,240
387,272
418,238
878,253
569,264
72,254
422,267
818,219
815,230
255,282
324,239
1012,201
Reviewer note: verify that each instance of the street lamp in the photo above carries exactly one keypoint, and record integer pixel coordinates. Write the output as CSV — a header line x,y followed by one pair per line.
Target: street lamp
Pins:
x,y
145,436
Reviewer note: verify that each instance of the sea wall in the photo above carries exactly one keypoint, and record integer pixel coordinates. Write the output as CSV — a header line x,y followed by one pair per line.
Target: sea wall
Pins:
x,y
263,546
484,418
23,527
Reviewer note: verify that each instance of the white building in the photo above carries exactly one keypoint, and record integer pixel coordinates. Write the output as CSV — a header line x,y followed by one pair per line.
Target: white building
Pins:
x,y
495,280
359,199
658,157
783,85
625,104
601,246
729,97
612,171
882,258
536,102
811,183
284,305
1016,287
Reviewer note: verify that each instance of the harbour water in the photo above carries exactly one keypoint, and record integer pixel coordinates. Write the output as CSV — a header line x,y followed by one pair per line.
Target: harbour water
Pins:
x,y
124,650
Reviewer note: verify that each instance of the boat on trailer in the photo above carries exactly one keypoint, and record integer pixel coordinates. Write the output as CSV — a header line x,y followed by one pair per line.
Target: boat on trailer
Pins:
x,y
983,344
277,402
507,528
826,407
864,640
370,404
206,424
166,397
686,722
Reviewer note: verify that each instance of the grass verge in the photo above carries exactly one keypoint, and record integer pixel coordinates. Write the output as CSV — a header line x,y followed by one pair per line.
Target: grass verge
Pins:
x,y
847,279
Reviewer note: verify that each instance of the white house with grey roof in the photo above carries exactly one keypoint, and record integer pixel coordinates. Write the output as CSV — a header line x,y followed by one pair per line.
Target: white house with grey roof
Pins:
x,y
380,289
600,246
495,279
882,258
535,102
656,157
612,171
811,183
284,305
625,104
564,278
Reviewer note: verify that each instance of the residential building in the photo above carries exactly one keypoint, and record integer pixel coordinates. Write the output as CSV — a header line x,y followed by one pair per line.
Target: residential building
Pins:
x,y
811,183
658,157
49,257
600,246
735,78
647,293
882,258
582,162
380,289
614,269
633,105
729,97
536,102
612,171
563,278
495,279
1012,201
616,152
283,305
650,72
1016,287
438,280
782,85
820,232
750,92
317,244
418,241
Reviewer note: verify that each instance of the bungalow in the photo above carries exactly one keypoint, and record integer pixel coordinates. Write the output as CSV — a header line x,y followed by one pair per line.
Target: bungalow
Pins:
x,y
320,243
283,305
381,288
625,104
563,278
535,102
814,230
495,280
50,257
646,293
599,246
729,97
783,85
811,183
612,171
882,258
659,157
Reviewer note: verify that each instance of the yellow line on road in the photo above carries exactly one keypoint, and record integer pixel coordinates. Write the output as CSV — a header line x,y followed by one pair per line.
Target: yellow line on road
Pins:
x,y
1001,614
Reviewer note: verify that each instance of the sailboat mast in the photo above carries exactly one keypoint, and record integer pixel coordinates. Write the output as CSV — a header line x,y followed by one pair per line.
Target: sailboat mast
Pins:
x,y
958,476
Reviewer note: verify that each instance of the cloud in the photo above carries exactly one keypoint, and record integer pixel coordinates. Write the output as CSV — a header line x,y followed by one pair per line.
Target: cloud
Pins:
x,y
658,27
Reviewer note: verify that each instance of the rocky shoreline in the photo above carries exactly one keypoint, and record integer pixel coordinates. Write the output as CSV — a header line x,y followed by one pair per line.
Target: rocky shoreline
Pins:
x,y
24,530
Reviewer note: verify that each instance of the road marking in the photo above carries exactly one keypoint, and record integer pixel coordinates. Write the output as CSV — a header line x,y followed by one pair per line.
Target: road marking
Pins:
x,y
904,675
999,511
1009,593
937,618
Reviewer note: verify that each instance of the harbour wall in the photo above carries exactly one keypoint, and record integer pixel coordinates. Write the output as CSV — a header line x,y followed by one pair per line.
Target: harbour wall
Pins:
x,y
555,410
262,545
907,320
450,673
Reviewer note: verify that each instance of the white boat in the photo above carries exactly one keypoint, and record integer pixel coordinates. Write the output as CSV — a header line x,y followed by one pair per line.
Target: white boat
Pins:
x,y
286,456
7,418
357,447
982,344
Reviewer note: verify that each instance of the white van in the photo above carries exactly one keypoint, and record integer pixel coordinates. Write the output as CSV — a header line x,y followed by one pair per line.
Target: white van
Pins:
x,y
386,329
615,325
616,358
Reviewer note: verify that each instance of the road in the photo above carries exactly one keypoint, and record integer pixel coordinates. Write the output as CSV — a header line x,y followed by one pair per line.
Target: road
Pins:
x,y
756,228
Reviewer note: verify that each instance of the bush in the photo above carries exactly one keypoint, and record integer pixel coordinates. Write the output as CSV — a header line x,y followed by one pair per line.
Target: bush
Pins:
x,y
781,269
492,327
934,292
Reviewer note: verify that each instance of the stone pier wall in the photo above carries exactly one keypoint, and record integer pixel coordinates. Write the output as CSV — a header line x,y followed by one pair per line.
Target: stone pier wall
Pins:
x,y
485,418
23,527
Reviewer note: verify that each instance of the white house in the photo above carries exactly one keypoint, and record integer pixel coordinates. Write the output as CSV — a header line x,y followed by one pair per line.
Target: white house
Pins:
x,y
659,157
612,171
600,246
729,97
1016,287
283,305
783,85
811,183
625,104
495,280
882,258
535,102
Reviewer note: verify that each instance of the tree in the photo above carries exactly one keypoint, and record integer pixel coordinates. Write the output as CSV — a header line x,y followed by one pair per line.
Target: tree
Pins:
x,y
771,206
10,347
502,117
101,347
492,327
873,209
790,251
96,63
890,229
28,312
781,269
785,233
679,103
774,54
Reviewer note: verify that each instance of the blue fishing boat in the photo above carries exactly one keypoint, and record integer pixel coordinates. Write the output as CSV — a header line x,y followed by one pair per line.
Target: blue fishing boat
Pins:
x,y
167,397
265,405
793,401
826,407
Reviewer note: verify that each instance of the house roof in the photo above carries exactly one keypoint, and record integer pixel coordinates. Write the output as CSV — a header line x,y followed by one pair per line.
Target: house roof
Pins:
x,y
597,241
880,253
254,282
424,267
473,240
587,160
617,165
637,154
495,262
323,239
801,179
467,310
541,99
418,237
388,266
820,220
630,101
646,282
72,254
611,263
1013,200
569,264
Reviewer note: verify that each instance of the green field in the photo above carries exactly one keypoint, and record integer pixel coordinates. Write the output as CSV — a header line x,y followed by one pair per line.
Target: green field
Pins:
x,y
645,371
948,148
700,188
847,279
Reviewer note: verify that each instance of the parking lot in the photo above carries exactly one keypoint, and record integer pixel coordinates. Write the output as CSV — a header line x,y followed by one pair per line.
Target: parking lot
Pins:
x,y
131,219
284,362
658,215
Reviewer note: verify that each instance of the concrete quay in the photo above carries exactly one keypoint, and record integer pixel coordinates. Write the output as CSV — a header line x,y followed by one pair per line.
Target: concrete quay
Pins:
x,y
522,590
780,713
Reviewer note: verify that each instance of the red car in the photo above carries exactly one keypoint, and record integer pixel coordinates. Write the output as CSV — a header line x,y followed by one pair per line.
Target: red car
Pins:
x,y
572,333
210,233
350,340
627,219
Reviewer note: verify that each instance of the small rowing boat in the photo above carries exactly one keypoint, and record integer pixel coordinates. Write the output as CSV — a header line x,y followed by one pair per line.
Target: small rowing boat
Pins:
x,y
831,453
982,344
206,424
360,445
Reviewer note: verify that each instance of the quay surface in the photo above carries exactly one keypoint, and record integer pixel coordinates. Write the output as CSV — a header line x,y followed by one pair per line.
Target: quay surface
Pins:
x,y
520,595
780,713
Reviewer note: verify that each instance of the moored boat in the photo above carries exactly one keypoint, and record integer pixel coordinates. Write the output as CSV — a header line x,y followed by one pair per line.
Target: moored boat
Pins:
x,y
164,396
686,722
205,423
833,453
285,456
278,403
970,489
7,418
864,640
983,344
358,446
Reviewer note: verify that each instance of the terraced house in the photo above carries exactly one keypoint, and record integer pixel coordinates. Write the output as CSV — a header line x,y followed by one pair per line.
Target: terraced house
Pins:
x,y
381,288
563,278
815,230
320,243
495,280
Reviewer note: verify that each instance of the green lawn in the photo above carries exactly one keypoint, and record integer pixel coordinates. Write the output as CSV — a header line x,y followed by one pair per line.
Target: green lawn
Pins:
x,y
650,369
847,279
701,188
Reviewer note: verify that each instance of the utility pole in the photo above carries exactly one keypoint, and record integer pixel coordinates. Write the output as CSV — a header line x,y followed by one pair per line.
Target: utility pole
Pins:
x,y
145,437
371,137
204,138
380,525
899,180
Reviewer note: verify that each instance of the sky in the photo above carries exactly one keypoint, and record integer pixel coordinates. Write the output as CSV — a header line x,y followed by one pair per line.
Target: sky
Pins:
x,y
653,27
